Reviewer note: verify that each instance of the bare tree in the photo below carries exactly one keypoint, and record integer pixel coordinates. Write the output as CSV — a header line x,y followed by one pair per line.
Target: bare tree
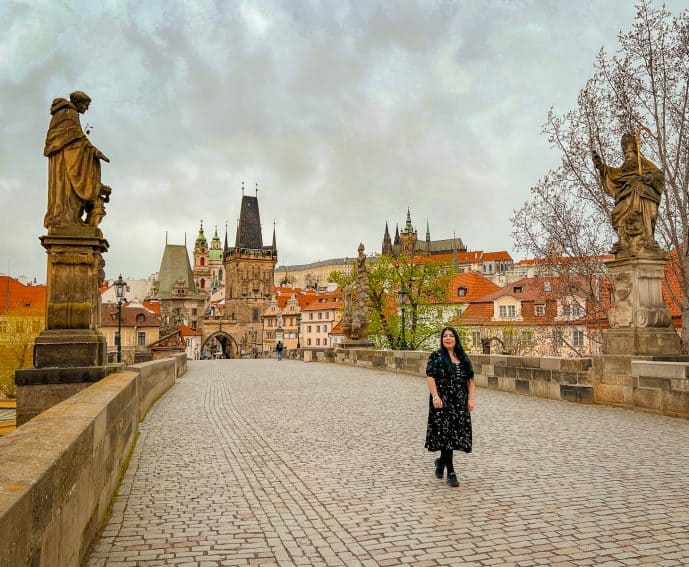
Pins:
x,y
643,88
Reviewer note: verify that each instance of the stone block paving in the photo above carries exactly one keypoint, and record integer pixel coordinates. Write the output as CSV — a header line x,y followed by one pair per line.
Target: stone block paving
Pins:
x,y
260,462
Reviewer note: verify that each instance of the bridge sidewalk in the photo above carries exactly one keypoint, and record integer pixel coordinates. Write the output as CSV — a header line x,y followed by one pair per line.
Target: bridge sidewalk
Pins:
x,y
259,462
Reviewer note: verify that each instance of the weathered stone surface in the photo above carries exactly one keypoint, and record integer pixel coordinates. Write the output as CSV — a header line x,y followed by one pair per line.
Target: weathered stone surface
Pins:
x,y
549,483
577,393
59,471
613,394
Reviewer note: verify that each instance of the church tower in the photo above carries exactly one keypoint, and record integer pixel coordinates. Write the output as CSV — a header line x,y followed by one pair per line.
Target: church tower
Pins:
x,y
387,242
408,237
202,271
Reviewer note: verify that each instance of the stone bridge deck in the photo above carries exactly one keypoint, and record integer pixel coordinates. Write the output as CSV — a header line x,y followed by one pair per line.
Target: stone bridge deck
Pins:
x,y
259,462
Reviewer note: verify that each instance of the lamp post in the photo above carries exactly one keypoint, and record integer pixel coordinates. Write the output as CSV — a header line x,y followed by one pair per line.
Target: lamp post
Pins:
x,y
403,299
120,286
298,329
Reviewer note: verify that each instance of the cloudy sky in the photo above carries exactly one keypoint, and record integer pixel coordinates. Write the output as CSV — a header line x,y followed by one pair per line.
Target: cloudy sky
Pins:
x,y
344,113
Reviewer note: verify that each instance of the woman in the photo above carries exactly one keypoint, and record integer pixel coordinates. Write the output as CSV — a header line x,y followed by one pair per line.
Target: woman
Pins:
x,y
450,379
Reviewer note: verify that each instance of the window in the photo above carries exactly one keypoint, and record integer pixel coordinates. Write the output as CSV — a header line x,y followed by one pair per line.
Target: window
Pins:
x,y
194,312
578,338
141,338
539,310
320,315
254,315
461,292
193,324
310,316
202,283
203,263
506,311
476,338
318,328
308,328
318,342
308,342
140,318
547,286
518,289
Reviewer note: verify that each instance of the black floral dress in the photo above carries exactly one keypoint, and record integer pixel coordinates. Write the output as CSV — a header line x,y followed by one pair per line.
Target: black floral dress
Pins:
x,y
449,427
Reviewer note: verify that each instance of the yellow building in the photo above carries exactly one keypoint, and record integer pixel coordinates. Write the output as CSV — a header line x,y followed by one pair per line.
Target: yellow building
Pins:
x,y
22,318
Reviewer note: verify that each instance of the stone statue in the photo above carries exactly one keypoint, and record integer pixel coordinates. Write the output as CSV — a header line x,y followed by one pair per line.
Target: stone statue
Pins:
x,y
355,316
637,187
76,195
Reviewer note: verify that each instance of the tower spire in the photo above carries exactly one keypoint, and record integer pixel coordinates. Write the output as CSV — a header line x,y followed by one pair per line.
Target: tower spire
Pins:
x,y
274,243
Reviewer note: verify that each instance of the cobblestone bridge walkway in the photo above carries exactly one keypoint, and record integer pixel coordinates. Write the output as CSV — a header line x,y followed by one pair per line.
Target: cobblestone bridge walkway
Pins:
x,y
259,462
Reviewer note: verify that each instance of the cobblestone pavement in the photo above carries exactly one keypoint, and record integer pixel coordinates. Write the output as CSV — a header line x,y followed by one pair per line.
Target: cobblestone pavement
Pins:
x,y
259,462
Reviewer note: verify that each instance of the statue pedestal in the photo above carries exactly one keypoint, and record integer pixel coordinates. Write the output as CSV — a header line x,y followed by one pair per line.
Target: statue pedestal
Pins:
x,y
71,353
640,322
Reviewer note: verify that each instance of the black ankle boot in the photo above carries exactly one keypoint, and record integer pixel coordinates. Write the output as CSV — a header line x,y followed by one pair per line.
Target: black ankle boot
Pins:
x,y
439,468
452,479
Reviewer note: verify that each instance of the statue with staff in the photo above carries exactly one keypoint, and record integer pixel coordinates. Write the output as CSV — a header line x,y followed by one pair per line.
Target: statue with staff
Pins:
x,y
76,195
637,186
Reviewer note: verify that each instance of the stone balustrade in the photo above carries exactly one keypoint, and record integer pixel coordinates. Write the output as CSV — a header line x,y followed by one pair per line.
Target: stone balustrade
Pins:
x,y
60,470
656,384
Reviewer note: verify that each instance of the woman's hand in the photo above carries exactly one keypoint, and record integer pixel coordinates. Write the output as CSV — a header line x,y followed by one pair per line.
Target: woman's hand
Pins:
x,y
471,404
437,402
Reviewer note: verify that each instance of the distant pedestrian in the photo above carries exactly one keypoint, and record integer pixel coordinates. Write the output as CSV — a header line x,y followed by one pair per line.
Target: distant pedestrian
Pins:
x,y
450,379
278,349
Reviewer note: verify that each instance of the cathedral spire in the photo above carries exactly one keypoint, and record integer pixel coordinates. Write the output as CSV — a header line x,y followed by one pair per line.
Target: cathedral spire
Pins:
x,y
428,232
397,235
274,245
226,246
387,243
408,228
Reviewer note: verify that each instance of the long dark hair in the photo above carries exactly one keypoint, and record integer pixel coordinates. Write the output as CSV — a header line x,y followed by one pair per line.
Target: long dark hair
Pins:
x,y
459,352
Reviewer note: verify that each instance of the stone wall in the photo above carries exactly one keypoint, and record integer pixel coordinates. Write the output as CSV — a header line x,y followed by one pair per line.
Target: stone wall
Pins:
x,y
59,471
657,384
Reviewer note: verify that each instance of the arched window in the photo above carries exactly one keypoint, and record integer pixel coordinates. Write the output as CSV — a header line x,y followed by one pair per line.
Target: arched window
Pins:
x,y
203,262
203,283
220,275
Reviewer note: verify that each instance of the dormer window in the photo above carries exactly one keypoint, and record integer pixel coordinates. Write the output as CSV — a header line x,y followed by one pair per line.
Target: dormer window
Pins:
x,y
539,310
547,286
461,292
140,318
517,289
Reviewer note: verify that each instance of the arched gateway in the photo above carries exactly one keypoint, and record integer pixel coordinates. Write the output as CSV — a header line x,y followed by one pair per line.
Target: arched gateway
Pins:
x,y
220,345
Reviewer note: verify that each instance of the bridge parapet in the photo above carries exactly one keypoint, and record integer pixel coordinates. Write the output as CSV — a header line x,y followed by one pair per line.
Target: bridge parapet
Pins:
x,y
656,384
60,470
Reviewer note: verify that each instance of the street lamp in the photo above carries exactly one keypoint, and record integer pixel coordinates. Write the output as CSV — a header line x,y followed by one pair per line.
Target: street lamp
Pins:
x,y
120,287
403,298
298,329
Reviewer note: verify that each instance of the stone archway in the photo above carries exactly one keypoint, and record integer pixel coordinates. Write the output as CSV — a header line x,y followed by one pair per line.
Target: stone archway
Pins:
x,y
220,345
485,345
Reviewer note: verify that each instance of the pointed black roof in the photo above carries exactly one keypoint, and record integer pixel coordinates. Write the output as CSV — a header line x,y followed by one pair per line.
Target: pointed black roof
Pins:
x,y
249,229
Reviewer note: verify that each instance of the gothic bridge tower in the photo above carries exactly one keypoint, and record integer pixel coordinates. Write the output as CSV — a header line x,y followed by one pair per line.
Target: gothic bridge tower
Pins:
x,y
249,276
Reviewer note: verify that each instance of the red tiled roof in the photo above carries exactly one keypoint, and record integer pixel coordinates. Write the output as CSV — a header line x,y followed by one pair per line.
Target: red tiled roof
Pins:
x,y
336,330
129,316
562,260
321,305
152,306
476,285
188,331
17,298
